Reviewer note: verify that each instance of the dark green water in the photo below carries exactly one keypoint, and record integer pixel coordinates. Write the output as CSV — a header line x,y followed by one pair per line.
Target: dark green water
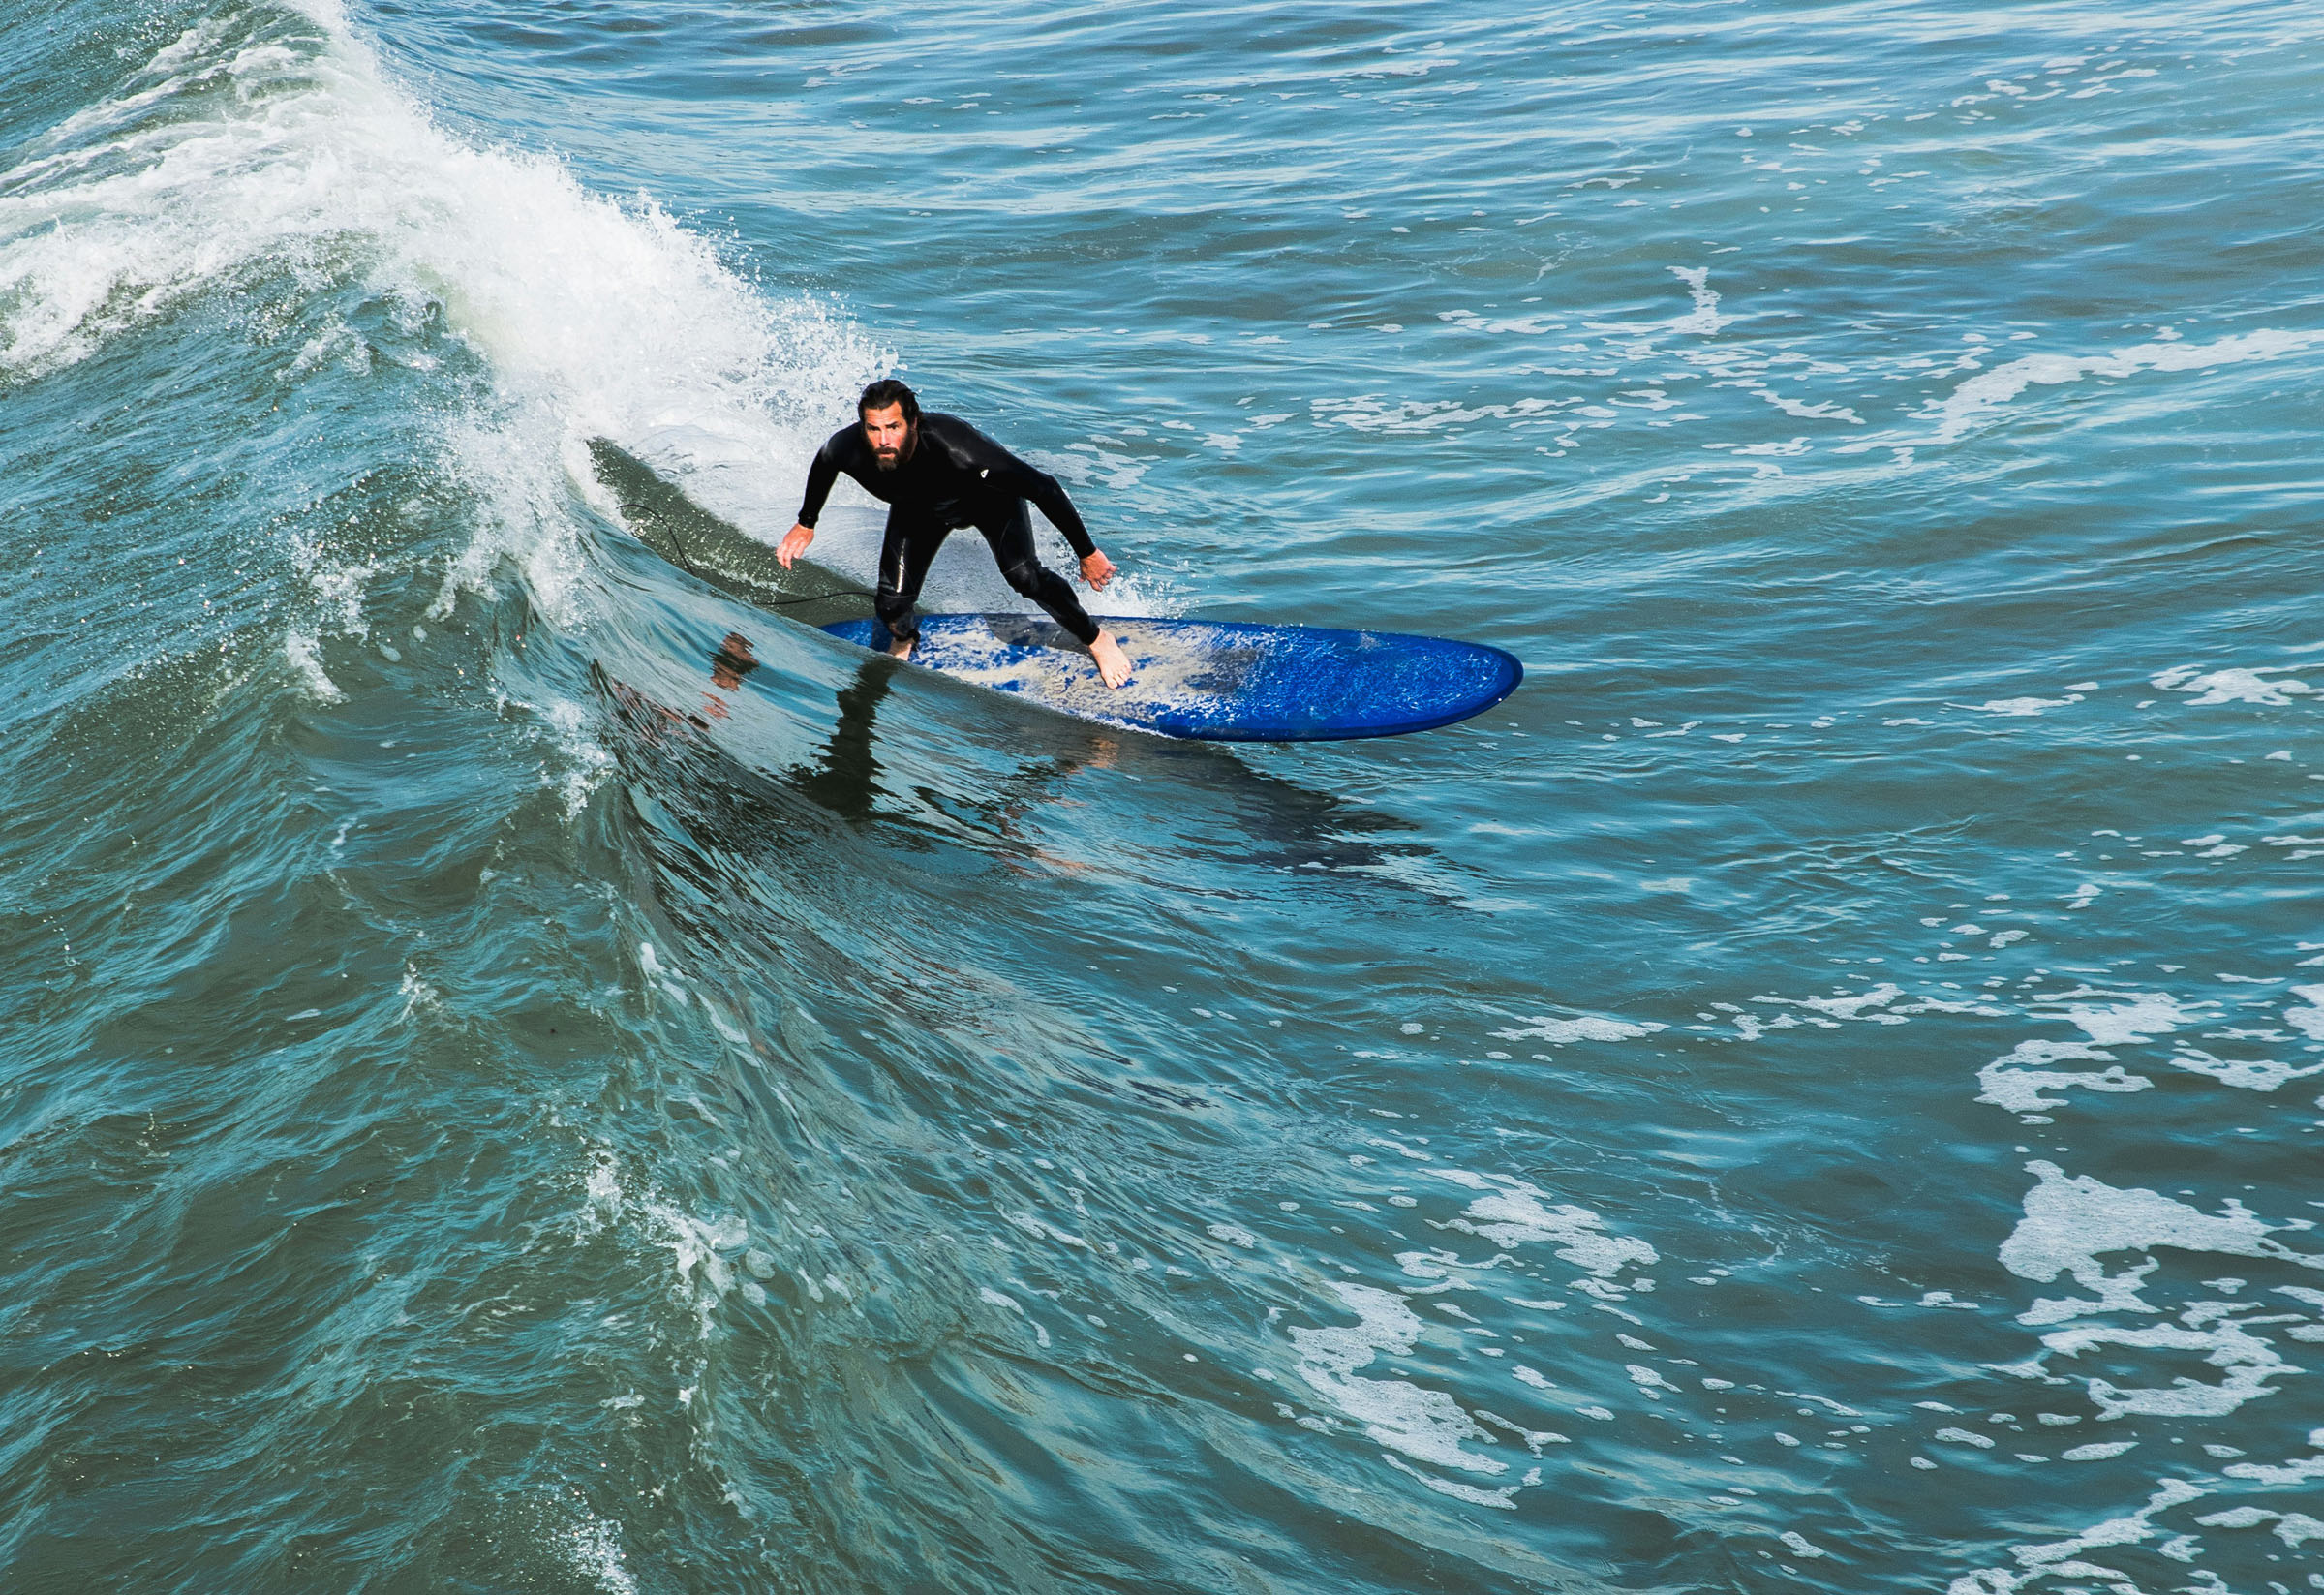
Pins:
x,y
1818,1090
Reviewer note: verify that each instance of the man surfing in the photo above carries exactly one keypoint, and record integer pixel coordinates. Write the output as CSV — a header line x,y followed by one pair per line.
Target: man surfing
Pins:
x,y
938,474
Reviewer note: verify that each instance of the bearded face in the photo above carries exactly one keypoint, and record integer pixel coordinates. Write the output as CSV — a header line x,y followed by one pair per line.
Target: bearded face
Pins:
x,y
890,436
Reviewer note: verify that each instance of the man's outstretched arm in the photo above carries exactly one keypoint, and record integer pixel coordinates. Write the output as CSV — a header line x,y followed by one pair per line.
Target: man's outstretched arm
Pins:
x,y
821,473
1047,495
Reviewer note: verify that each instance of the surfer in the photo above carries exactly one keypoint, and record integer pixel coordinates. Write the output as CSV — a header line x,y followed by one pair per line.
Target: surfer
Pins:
x,y
938,474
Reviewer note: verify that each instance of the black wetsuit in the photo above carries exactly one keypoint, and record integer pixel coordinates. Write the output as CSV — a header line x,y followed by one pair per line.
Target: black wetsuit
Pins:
x,y
955,477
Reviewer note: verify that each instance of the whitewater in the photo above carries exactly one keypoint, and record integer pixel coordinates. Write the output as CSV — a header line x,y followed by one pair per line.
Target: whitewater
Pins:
x,y
1817,1090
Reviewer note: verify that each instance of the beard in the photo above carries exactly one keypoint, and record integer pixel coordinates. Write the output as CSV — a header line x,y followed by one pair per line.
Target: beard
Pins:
x,y
887,459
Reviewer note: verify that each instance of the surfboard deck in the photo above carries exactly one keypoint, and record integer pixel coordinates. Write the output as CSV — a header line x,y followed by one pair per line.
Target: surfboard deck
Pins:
x,y
1219,681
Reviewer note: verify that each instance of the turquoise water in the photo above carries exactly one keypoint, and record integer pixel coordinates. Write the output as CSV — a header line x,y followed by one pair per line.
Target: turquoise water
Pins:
x,y
1817,1091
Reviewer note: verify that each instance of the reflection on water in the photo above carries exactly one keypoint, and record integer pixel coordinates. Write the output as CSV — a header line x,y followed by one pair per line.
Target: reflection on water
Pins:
x,y
728,665
1277,821
528,1069
845,776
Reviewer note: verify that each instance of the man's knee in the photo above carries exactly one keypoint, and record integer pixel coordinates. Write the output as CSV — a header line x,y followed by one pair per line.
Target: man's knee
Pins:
x,y
1026,576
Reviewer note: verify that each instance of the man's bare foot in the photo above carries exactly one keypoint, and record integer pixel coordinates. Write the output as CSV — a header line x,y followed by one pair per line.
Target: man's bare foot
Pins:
x,y
901,650
1111,662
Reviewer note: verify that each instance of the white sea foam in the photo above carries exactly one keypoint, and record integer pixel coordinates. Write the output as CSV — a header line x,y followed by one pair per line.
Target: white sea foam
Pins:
x,y
1650,1383
1964,1437
696,1244
2070,1224
2071,1221
2235,685
2021,707
2308,1019
1426,1426
2128,1017
1559,1032
2066,1558
2297,1471
705,1252
595,316
584,765
1854,1004
2245,1074
1988,390
417,993
2294,1528
594,1547
601,1193
305,655
1812,412
2018,1081
1704,319
1513,1214
2249,1362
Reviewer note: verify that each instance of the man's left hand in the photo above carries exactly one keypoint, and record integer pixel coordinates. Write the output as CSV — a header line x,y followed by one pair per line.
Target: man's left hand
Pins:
x,y
1096,568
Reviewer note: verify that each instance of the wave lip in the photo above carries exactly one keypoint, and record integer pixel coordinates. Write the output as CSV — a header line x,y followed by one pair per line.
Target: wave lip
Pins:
x,y
264,156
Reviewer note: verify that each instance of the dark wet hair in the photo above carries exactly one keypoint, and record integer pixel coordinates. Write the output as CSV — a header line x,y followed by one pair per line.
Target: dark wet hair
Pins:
x,y
885,392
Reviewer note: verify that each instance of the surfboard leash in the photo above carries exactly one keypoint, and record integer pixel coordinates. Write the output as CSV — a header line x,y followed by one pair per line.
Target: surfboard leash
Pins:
x,y
818,598
767,603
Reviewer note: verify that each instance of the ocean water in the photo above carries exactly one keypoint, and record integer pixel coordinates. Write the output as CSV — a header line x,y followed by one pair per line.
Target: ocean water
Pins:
x,y
1818,1090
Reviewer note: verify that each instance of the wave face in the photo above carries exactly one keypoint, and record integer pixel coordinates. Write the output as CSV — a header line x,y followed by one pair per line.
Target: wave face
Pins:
x,y
528,1070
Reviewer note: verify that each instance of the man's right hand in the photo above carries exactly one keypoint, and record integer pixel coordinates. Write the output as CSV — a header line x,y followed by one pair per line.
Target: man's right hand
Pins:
x,y
794,543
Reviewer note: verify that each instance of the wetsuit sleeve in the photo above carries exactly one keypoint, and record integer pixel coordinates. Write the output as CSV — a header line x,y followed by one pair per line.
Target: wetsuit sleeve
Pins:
x,y
1013,476
1047,495
820,474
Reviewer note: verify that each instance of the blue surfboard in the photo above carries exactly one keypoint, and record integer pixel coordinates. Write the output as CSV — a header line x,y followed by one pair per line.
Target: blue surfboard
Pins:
x,y
1219,681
